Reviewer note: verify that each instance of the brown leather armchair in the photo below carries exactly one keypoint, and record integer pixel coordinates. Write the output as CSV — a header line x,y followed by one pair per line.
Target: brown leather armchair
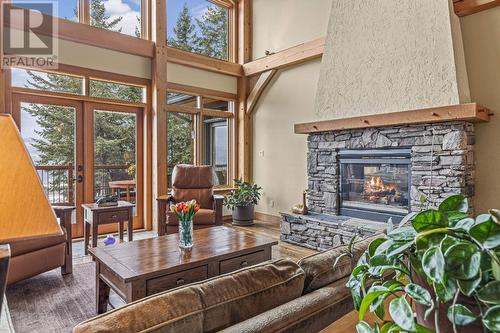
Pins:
x,y
191,182
32,256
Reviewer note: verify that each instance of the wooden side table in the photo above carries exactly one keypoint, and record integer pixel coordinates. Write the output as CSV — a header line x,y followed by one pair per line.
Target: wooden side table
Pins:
x,y
94,216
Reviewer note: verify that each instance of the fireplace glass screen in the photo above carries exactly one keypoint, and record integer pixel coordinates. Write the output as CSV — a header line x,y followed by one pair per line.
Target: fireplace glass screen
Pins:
x,y
375,187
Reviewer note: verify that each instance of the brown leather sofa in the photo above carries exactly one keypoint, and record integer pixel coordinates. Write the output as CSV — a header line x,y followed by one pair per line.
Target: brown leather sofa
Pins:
x,y
275,296
191,182
32,256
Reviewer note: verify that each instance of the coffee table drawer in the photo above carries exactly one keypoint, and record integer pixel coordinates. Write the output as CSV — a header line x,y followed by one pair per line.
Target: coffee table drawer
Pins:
x,y
233,264
113,217
178,279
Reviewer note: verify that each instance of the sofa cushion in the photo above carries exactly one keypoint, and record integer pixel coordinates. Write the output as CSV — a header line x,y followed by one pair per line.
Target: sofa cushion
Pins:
x,y
203,217
319,267
22,246
309,313
208,306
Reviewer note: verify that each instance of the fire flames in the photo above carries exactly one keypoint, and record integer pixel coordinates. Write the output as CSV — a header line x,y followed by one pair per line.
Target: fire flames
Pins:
x,y
376,190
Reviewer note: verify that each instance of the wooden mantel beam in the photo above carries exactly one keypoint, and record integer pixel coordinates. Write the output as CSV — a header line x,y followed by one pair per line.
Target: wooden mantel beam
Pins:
x,y
471,112
292,56
259,88
468,7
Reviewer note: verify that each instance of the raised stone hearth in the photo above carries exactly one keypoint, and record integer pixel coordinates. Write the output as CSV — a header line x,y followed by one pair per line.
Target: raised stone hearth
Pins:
x,y
320,231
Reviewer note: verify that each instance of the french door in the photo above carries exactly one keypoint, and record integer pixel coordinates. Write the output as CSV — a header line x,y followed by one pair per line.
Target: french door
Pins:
x,y
83,150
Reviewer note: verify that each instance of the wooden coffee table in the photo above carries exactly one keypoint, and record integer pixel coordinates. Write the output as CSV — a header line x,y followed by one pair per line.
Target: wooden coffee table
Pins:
x,y
141,268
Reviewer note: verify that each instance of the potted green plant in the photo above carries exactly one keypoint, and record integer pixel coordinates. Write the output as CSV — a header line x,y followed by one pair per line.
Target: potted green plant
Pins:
x,y
242,201
444,265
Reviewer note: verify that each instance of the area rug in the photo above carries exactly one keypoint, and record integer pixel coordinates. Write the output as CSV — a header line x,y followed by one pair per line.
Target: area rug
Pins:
x,y
50,302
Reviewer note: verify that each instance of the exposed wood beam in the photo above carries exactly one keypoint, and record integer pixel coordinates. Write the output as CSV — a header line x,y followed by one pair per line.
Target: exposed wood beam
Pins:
x,y
159,104
244,125
292,56
471,112
467,7
258,89
181,57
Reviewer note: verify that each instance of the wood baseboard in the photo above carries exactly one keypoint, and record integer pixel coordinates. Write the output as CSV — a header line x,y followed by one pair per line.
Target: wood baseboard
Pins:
x,y
267,217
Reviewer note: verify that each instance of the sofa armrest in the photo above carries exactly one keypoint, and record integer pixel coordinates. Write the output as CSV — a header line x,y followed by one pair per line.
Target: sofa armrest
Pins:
x,y
64,214
218,207
163,202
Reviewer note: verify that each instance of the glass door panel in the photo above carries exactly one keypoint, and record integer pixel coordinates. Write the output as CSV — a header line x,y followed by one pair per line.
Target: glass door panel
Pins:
x,y
49,134
51,130
117,159
114,154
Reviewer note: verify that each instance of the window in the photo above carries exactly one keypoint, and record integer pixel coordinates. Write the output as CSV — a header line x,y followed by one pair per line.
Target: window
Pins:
x,y
117,15
200,131
215,104
199,26
182,99
116,91
217,147
47,81
180,141
67,9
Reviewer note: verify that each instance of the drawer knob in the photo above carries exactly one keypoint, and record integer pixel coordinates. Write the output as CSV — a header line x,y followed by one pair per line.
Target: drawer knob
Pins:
x,y
180,281
114,216
244,264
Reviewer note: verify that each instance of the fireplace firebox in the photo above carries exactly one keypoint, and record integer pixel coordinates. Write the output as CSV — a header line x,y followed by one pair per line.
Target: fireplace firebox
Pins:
x,y
374,183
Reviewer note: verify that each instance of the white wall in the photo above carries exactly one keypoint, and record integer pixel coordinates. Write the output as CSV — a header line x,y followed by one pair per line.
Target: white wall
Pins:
x,y
289,99
481,34
280,24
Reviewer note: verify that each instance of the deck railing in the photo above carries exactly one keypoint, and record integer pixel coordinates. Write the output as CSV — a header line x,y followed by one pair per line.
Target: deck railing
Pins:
x,y
59,182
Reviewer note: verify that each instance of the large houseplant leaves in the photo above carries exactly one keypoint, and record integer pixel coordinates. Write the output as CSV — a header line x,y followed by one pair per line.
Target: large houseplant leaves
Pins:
x,y
463,261
487,233
428,220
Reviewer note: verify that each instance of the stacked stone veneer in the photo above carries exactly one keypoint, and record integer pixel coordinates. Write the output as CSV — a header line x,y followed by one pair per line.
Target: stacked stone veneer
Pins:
x,y
442,164
442,161
321,231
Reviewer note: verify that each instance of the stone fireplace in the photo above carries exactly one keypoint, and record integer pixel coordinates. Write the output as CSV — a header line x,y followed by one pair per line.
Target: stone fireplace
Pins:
x,y
359,178
387,172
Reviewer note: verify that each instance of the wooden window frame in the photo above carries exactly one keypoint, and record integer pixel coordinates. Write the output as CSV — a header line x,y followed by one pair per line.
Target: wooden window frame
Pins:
x,y
199,114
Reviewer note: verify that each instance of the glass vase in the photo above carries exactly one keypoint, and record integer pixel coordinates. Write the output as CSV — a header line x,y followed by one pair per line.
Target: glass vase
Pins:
x,y
186,234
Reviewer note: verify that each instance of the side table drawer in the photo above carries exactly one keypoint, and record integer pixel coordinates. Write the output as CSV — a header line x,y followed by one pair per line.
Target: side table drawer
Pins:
x,y
233,264
175,280
113,217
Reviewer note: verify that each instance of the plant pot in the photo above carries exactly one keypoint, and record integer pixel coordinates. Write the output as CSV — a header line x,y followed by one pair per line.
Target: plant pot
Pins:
x,y
445,325
243,215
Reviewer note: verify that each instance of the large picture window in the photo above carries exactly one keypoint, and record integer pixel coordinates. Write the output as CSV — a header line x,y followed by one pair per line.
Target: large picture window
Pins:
x,y
200,26
199,131
67,9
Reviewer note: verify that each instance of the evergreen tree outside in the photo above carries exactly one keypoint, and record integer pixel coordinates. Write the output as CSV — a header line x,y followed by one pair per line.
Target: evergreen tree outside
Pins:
x,y
99,19
184,31
213,37
209,36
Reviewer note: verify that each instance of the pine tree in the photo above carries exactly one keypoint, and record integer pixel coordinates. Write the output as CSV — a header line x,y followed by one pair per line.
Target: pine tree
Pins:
x,y
180,141
184,31
213,37
98,17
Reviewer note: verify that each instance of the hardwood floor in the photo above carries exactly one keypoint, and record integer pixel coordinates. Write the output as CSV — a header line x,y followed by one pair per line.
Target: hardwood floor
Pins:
x,y
272,229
